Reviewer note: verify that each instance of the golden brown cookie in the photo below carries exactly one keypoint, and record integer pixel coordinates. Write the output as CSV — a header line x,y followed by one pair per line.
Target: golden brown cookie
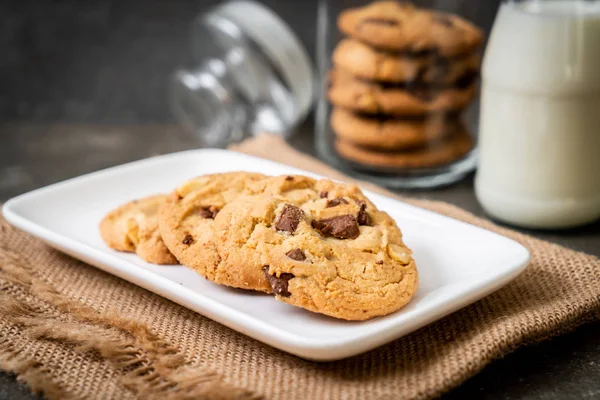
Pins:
x,y
186,219
244,266
133,227
384,133
377,98
366,62
322,248
398,26
436,154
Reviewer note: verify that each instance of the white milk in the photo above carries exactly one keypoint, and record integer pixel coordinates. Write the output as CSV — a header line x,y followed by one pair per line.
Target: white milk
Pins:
x,y
540,115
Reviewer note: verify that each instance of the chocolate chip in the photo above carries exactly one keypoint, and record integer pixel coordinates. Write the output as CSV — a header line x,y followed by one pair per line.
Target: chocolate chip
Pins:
x,y
289,219
279,284
209,212
296,254
342,227
361,203
444,20
336,202
363,218
466,79
417,88
380,21
380,262
289,178
411,85
424,94
187,240
323,194
439,70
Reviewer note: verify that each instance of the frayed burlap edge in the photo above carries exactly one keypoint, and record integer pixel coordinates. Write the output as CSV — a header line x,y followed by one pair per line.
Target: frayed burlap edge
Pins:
x,y
149,367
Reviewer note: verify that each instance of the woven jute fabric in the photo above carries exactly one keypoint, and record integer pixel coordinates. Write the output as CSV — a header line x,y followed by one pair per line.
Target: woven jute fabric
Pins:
x,y
74,332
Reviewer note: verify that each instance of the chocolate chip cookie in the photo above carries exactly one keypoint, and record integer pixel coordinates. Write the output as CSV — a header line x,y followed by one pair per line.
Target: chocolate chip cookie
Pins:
x,y
398,26
435,154
369,97
318,245
186,219
369,63
385,133
133,227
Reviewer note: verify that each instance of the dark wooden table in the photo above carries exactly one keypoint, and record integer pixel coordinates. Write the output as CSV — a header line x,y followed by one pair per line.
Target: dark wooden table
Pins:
x,y
83,87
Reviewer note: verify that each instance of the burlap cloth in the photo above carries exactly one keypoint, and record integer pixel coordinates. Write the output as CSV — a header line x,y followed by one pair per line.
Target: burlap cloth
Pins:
x,y
73,331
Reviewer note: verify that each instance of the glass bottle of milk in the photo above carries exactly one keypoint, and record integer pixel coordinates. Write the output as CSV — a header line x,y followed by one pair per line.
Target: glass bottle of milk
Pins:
x,y
540,115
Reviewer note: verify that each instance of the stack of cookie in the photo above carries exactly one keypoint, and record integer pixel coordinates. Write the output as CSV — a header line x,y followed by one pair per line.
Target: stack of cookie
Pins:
x,y
315,244
399,83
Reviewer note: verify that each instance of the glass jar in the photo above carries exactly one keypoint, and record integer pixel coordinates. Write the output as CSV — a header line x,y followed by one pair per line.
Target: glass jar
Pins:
x,y
540,118
251,75
399,88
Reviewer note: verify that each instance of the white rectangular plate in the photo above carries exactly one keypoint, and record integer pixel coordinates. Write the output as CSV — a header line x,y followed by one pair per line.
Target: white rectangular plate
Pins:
x,y
458,263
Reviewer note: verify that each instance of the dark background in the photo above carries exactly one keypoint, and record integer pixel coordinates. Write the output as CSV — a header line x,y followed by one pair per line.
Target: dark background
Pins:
x,y
83,87
109,61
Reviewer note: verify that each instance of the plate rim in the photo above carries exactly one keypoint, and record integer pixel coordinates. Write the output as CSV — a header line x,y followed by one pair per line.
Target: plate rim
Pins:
x,y
302,346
